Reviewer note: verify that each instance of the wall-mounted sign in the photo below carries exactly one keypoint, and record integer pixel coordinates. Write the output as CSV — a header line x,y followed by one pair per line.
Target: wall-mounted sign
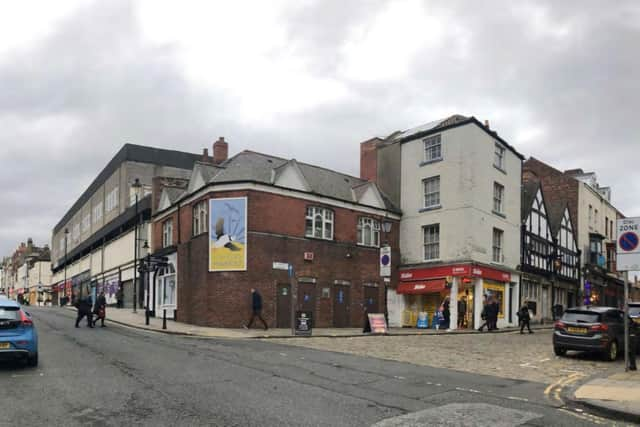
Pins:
x,y
280,266
308,256
228,234
385,261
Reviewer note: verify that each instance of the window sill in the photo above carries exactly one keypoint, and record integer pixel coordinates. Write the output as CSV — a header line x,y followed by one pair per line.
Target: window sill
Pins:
x,y
500,214
500,169
362,245
319,238
432,260
430,208
428,162
199,234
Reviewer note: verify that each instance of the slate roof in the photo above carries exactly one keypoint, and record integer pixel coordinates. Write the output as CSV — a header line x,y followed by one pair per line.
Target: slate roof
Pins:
x,y
174,193
258,167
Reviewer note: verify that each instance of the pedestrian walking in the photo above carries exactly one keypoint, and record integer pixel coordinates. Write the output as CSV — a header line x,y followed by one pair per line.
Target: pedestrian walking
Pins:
x,y
84,310
446,313
634,337
524,318
462,312
492,315
100,309
119,297
483,315
256,305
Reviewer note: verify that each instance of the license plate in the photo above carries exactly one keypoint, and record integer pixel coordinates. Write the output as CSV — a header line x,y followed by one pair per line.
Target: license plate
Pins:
x,y
577,330
5,345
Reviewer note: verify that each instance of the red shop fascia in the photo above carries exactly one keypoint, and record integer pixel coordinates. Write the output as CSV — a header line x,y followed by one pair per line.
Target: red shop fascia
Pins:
x,y
435,277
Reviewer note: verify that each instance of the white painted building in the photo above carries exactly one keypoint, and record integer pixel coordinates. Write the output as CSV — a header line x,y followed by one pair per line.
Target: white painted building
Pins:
x,y
459,192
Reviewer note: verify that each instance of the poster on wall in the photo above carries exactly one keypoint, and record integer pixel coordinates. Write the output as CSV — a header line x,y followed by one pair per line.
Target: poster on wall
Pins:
x,y
228,234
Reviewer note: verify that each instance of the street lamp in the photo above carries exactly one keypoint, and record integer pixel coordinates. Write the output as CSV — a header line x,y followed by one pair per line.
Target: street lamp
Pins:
x,y
66,235
148,287
136,186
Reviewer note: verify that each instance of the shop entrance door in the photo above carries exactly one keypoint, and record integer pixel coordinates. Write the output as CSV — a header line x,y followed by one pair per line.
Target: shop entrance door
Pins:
x,y
341,303
307,299
371,300
283,304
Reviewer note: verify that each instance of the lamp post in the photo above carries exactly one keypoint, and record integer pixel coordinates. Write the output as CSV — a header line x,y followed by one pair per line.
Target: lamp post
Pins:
x,y
147,287
136,186
386,229
66,235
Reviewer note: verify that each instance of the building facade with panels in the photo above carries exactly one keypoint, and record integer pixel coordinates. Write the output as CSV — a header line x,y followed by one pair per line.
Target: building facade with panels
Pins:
x,y
92,246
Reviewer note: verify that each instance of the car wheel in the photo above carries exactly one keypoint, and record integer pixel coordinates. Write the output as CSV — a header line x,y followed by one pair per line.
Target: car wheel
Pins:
x,y
611,353
33,360
559,351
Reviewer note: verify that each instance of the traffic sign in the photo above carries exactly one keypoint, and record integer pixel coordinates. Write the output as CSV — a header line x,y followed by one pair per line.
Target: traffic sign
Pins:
x,y
628,251
385,261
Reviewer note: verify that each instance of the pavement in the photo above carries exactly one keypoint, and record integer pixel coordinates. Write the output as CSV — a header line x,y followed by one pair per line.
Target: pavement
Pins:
x,y
124,376
616,395
137,320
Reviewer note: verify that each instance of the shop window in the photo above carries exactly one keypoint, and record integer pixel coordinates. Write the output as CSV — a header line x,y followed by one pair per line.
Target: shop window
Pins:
x,y
431,236
432,149
368,232
495,291
319,223
200,220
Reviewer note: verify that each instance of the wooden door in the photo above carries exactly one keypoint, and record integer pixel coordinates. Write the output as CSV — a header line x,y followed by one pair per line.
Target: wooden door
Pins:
x,y
371,300
283,306
341,303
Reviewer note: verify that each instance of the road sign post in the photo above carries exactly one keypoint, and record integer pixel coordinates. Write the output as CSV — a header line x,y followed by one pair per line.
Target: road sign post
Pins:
x,y
628,259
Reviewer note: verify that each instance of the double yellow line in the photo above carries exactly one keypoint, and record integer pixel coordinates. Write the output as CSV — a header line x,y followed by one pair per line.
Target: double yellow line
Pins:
x,y
553,391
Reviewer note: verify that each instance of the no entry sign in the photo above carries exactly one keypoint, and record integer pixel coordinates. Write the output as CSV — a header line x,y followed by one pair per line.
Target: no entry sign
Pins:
x,y
628,244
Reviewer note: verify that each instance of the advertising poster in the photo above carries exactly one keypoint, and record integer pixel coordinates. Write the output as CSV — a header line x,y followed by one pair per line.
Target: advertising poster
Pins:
x,y
228,234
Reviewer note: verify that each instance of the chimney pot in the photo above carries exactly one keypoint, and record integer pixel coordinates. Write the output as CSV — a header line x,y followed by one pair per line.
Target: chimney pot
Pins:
x,y
205,155
486,124
220,151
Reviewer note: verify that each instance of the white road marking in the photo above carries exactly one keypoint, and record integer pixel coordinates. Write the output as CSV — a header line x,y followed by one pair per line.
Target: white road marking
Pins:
x,y
521,399
544,360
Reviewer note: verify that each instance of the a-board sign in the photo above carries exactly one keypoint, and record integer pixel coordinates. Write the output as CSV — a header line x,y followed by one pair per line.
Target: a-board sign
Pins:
x,y
378,323
303,323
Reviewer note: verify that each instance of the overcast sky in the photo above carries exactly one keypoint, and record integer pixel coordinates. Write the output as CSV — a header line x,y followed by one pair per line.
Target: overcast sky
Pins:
x,y
306,80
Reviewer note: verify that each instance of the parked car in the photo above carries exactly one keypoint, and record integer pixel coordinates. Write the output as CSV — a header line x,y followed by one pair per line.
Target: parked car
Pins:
x,y
590,328
634,311
18,335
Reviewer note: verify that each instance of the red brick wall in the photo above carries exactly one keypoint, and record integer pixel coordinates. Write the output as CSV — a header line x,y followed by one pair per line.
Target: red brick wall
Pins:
x,y
369,160
276,234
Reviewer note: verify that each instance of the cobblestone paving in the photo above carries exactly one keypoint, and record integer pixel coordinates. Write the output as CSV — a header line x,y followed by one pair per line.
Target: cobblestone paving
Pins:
x,y
508,355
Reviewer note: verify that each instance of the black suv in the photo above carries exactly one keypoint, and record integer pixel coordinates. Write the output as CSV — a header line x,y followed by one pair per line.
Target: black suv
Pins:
x,y
590,328
634,312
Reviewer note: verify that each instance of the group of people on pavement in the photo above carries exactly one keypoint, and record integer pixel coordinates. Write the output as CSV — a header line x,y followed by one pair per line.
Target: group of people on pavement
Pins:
x,y
88,310
489,314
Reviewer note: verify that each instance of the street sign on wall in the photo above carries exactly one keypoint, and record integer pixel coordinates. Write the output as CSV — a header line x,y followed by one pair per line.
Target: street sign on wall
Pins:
x,y
628,247
385,261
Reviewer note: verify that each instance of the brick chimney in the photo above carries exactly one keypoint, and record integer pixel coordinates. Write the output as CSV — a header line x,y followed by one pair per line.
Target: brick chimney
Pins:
x,y
205,156
220,151
369,160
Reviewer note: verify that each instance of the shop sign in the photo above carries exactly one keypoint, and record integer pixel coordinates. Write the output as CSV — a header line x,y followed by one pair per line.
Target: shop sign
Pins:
x,y
303,323
455,270
378,323
280,266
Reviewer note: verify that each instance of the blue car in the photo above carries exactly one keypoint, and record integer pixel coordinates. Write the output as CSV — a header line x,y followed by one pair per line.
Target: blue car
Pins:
x,y
18,336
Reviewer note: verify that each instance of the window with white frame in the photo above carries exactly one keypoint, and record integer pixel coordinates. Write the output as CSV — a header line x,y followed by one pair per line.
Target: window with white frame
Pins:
x,y
144,191
319,223
498,197
498,240
200,217
498,160
167,233
432,148
431,236
167,282
368,232
97,212
431,187
111,201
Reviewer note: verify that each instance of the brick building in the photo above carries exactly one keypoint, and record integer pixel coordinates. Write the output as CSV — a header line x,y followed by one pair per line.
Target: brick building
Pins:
x,y
328,226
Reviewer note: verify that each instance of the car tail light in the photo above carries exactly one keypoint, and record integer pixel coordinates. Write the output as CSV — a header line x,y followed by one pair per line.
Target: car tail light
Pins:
x,y
25,319
599,327
559,325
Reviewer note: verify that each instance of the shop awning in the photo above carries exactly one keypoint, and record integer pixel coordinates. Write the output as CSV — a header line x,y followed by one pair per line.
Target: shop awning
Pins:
x,y
422,287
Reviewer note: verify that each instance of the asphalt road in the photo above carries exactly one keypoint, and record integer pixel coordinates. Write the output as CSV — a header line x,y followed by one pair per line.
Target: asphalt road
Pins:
x,y
117,376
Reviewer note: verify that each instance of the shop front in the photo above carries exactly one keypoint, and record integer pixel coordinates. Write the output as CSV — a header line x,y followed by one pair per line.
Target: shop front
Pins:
x,y
467,287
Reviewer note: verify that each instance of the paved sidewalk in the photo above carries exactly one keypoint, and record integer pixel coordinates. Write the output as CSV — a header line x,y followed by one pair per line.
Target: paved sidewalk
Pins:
x,y
137,320
617,395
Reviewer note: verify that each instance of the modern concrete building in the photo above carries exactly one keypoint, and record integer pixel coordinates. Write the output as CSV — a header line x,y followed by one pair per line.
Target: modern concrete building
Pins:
x,y
93,244
458,183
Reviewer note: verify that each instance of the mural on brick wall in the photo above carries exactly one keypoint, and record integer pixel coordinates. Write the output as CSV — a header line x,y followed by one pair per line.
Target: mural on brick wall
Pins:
x,y
227,234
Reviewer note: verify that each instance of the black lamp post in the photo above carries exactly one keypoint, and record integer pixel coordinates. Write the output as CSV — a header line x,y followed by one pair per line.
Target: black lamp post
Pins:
x,y
386,228
147,270
136,186
66,235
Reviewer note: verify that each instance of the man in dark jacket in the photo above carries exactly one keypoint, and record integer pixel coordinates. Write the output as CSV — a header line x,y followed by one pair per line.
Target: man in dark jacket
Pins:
x,y
84,309
525,318
492,315
256,305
